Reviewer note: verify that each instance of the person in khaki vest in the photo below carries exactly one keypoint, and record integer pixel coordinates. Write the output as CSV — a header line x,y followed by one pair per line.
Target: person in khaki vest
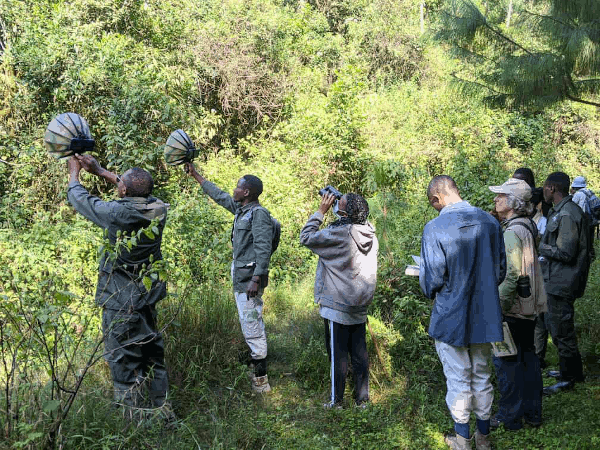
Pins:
x,y
522,297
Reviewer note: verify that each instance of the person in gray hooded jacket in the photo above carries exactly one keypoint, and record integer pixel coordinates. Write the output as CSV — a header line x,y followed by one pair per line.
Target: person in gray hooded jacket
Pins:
x,y
344,288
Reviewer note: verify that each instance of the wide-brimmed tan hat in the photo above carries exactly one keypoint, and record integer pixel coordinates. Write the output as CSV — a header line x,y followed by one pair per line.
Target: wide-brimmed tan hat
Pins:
x,y
514,186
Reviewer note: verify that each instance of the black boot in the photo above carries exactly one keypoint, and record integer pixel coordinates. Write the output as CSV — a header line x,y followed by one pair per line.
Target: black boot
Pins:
x,y
571,369
260,367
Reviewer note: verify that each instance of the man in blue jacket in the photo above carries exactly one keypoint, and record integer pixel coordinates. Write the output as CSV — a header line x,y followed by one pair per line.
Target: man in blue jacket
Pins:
x,y
462,263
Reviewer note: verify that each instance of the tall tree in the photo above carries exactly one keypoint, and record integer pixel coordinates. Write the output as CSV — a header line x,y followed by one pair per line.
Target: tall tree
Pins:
x,y
550,53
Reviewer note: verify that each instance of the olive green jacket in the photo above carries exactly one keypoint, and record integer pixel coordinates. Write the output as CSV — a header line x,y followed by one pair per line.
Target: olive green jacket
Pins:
x,y
252,237
565,250
121,277
521,259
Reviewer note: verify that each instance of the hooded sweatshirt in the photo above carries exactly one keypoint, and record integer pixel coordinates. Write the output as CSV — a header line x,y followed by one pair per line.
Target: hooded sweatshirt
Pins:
x,y
347,268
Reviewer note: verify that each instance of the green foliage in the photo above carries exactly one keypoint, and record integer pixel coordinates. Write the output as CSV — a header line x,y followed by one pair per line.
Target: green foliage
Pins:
x,y
386,37
339,13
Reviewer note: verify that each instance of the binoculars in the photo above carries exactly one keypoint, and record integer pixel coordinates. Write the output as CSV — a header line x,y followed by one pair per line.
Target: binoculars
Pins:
x,y
330,190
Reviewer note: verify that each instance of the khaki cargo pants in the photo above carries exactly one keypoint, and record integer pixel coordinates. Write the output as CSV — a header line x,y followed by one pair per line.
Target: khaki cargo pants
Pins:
x,y
251,320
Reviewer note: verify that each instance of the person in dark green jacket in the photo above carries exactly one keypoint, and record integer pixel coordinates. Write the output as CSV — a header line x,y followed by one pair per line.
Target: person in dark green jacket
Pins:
x,y
564,257
252,238
134,347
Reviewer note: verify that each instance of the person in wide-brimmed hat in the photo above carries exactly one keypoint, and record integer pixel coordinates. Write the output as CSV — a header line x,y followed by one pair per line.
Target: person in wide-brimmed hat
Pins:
x,y
522,297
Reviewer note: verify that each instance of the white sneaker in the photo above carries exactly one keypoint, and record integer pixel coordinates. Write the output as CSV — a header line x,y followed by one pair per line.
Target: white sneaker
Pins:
x,y
331,405
260,385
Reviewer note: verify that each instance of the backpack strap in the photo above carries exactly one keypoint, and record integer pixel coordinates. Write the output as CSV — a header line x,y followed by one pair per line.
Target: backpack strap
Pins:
x,y
527,223
276,230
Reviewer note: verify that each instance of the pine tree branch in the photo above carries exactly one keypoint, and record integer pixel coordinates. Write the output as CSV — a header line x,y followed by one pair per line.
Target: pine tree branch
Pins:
x,y
476,83
485,23
570,85
543,16
472,54
506,38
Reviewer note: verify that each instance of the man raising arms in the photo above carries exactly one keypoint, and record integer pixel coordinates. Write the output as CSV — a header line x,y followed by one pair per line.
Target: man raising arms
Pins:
x,y
134,348
252,239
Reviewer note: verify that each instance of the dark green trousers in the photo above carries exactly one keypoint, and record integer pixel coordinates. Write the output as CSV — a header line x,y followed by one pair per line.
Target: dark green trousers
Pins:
x,y
560,321
134,350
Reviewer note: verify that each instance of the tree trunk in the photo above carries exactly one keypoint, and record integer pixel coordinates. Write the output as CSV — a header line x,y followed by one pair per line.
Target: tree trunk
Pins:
x,y
509,13
422,16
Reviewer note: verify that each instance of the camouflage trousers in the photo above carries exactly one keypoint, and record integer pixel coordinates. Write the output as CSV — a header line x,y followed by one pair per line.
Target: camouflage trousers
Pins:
x,y
251,321
134,350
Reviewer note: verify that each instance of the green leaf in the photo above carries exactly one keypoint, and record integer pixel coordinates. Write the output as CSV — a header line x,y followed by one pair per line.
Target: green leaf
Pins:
x,y
147,283
51,405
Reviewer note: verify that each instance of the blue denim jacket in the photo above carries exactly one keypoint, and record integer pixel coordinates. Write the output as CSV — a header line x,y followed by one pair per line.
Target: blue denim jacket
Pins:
x,y
462,263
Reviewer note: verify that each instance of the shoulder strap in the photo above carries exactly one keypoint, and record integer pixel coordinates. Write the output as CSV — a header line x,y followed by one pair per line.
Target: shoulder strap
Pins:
x,y
257,207
275,224
527,223
254,208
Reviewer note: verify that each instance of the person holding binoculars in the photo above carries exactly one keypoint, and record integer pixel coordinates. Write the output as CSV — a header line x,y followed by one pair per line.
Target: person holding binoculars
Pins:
x,y
344,286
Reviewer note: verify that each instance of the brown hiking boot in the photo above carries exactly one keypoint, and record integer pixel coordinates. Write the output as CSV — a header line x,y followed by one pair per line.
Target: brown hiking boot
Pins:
x,y
481,441
457,442
261,385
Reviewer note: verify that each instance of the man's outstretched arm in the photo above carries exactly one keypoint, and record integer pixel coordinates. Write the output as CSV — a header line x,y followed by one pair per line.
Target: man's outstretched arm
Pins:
x,y
91,207
89,164
220,197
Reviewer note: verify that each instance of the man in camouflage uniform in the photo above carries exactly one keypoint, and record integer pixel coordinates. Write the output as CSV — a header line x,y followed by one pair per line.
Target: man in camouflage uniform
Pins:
x,y
134,348
252,240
